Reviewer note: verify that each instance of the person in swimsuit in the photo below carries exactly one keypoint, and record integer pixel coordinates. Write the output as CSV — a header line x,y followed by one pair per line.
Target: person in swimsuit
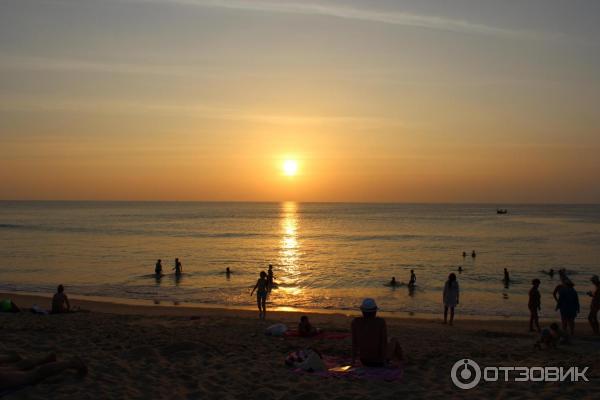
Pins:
x,y
60,301
261,294
270,278
534,305
369,338
595,305
158,268
178,268
413,279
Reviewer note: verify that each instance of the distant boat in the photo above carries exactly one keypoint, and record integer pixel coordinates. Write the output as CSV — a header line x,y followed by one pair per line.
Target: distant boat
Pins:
x,y
502,211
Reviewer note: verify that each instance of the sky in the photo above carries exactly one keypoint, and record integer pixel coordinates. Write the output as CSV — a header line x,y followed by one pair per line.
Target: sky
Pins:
x,y
377,101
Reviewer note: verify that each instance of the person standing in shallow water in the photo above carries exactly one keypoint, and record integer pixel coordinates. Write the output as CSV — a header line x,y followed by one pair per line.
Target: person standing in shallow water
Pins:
x,y
413,279
270,278
158,268
594,305
261,294
450,297
178,268
534,305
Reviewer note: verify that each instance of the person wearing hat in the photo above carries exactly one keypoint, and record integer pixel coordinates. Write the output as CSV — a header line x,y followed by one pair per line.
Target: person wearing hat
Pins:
x,y
369,338
534,305
594,305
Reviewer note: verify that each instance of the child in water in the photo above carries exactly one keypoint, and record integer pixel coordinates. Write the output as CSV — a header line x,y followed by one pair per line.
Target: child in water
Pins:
x,y
261,294
534,305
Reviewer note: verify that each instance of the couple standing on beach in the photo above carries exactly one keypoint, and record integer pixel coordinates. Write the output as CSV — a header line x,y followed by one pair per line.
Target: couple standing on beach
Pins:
x,y
264,284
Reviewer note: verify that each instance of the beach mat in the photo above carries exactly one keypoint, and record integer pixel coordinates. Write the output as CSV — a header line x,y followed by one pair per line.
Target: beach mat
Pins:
x,y
341,368
320,335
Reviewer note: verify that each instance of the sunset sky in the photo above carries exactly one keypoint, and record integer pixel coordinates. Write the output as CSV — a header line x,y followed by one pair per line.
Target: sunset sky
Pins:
x,y
407,101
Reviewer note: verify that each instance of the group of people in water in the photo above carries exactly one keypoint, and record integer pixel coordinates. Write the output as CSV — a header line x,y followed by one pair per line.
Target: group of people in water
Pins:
x,y
158,268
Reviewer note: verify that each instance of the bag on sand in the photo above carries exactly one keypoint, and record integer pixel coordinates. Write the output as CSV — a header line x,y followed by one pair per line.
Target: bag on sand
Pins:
x,y
276,330
307,360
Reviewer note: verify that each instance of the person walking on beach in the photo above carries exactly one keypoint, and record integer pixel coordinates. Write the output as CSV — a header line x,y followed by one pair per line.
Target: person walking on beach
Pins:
x,y
413,279
60,301
450,297
158,268
534,305
261,294
369,338
568,304
178,268
594,305
270,278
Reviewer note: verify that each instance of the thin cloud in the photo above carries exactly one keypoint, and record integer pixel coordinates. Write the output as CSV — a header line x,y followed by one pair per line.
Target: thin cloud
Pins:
x,y
351,13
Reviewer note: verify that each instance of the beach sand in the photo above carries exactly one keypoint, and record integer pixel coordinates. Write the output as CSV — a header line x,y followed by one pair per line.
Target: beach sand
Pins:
x,y
171,352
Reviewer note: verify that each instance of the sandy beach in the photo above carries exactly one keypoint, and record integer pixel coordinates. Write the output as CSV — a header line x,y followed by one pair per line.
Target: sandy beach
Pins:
x,y
170,352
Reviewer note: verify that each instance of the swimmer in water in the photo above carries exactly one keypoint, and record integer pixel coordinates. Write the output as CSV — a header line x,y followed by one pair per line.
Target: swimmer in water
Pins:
x,y
473,254
393,281
460,269
464,254
178,268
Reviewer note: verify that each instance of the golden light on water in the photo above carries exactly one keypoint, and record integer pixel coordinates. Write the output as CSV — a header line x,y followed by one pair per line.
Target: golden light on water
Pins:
x,y
289,250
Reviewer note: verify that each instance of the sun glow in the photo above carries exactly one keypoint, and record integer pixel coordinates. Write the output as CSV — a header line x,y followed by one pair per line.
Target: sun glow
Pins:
x,y
290,167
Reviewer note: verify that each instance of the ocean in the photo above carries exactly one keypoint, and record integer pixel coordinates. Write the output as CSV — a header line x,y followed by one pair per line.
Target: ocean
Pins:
x,y
326,256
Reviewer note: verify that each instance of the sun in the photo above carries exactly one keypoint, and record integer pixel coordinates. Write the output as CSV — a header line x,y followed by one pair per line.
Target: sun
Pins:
x,y
290,167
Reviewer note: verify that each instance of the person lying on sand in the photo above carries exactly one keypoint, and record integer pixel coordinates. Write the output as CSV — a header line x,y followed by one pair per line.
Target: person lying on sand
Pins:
x,y
60,301
369,338
16,372
305,328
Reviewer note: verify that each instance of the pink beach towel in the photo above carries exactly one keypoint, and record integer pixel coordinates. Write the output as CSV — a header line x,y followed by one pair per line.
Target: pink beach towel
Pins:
x,y
340,368
320,335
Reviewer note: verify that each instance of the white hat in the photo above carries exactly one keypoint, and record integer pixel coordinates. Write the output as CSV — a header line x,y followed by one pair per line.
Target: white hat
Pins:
x,y
368,305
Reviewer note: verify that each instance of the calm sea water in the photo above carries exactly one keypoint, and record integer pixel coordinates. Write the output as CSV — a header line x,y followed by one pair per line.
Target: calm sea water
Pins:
x,y
325,256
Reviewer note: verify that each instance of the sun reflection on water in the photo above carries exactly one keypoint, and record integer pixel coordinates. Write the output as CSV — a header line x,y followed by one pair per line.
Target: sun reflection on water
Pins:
x,y
289,250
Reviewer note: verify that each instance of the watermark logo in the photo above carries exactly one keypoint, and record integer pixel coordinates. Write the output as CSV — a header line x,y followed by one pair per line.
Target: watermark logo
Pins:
x,y
466,374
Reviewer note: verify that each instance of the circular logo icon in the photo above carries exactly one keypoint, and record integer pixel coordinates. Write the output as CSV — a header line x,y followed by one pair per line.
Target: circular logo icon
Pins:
x,y
465,374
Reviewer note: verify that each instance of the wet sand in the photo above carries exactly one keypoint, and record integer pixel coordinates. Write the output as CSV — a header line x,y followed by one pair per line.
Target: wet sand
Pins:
x,y
173,352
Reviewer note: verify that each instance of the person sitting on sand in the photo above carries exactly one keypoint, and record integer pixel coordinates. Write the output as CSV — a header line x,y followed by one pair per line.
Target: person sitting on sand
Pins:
x,y
369,338
178,268
450,297
551,336
568,304
16,372
413,279
594,305
305,328
158,268
534,305
60,301
261,294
